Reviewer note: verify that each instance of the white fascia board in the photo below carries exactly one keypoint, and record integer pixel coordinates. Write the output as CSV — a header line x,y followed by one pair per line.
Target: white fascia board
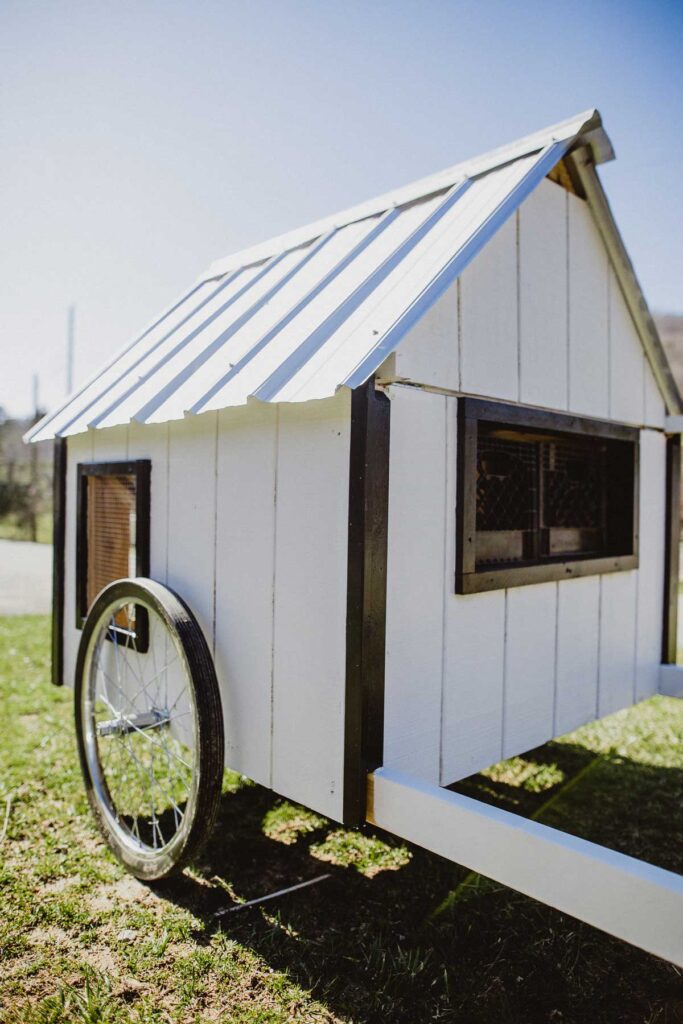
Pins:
x,y
586,126
629,898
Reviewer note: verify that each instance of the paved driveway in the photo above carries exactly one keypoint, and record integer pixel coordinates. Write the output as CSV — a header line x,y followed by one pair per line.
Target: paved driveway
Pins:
x,y
25,578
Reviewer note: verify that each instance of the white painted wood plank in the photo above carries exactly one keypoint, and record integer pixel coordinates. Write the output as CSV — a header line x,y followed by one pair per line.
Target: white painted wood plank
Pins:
x,y
629,898
310,602
244,583
543,297
671,681
529,667
655,409
110,445
489,353
191,515
429,353
79,449
651,561
152,442
415,581
618,606
588,313
626,360
473,683
578,624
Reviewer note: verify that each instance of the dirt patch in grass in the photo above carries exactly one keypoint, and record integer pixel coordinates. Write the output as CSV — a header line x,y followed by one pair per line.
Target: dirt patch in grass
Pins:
x,y
394,935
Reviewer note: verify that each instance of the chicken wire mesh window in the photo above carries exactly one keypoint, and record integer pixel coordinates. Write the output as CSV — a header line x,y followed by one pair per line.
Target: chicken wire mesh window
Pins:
x,y
534,496
112,535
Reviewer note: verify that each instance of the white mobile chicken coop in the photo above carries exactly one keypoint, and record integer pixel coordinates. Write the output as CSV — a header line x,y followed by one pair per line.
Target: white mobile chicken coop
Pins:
x,y
375,504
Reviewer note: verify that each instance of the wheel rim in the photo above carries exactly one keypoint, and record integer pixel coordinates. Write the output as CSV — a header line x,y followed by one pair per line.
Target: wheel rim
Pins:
x,y
140,730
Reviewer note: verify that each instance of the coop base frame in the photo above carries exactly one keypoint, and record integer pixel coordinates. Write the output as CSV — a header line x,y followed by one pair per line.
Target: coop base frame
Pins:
x,y
625,897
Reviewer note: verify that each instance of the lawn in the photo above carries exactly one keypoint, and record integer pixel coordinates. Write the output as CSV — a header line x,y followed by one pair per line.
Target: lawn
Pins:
x,y
393,935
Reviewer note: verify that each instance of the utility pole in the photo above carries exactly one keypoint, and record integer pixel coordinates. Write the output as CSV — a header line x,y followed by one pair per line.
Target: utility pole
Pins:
x,y
70,342
33,494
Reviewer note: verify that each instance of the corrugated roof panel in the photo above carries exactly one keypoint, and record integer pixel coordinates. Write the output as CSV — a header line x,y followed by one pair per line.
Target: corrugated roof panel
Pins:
x,y
155,349
234,387
253,289
53,424
254,334
299,316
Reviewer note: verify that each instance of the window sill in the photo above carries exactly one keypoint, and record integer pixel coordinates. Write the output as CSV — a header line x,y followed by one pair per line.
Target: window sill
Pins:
x,y
545,572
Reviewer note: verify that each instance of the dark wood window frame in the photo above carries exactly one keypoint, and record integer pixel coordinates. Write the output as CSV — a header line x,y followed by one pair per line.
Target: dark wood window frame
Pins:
x,y
469,579
140,469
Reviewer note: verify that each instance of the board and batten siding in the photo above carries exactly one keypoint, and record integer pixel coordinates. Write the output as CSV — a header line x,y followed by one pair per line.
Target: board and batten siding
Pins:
x,y
538,318
471,679
248,524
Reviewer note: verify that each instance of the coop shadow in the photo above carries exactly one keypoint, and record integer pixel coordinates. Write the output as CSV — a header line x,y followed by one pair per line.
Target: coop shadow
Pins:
x,y
387,945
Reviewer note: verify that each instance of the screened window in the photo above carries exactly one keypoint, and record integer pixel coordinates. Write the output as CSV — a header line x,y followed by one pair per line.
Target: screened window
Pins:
x,y
113,530
542,496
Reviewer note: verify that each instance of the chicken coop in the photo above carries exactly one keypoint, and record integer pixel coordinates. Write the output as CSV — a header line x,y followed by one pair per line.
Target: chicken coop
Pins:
x,y
373,505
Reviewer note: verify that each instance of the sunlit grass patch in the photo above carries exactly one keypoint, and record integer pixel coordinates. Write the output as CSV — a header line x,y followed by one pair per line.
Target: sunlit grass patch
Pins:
x,y
367,854
286,822
526,774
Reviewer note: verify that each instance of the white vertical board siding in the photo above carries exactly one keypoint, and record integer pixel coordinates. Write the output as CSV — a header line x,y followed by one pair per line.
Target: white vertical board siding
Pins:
x,y
578,625
543,297
651,561
618,615
191,515
151,442
244,583
311,541
429,353
419,455
110,445
627,365
588,385
472,727
529,667
488,319
79,449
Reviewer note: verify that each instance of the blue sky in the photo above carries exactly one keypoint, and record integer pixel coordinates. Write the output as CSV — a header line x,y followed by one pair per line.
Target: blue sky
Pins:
x,y
142,140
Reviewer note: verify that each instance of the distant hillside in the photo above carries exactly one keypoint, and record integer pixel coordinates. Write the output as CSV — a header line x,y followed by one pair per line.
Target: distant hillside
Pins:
x,y
670,327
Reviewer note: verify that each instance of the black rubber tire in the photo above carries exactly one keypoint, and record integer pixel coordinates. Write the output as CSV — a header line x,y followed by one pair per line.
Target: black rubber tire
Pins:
x,y
180,621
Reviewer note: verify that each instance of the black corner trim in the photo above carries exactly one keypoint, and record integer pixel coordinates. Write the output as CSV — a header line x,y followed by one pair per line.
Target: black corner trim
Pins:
x,y
58,557
366,595
672,541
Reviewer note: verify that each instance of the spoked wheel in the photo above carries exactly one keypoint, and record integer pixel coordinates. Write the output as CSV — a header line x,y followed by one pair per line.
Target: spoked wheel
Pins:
x,y
149,726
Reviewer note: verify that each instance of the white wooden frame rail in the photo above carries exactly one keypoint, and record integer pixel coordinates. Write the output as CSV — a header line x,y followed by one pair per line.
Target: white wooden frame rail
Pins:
x,y
629,898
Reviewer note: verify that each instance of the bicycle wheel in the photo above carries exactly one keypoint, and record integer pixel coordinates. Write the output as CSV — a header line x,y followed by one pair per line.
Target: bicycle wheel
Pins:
x,y
149,726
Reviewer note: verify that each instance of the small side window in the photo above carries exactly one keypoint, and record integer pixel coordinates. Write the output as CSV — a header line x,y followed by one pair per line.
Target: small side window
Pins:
x,y
542,496
112,533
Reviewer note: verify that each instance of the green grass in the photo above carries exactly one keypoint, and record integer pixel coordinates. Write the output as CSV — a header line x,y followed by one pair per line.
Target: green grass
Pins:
x,y
11,529
395,935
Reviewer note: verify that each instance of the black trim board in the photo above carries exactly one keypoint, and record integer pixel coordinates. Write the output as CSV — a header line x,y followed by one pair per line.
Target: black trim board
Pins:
x,y
366,595
671,556
141,469
59,456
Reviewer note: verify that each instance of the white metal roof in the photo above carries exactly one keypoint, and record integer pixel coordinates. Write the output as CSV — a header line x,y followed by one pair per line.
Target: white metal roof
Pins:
x,y
299,316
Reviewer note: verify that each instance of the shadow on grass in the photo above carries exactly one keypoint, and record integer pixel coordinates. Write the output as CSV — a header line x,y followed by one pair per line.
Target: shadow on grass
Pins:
x,y
371,949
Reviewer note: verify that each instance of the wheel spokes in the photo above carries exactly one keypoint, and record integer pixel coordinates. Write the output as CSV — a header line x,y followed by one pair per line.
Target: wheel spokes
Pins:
x,y
144,723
